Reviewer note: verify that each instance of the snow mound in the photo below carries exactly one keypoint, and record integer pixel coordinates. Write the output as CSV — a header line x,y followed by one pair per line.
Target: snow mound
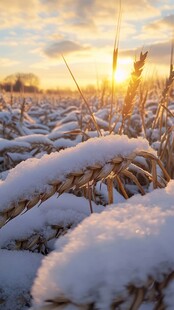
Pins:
x,y
123,245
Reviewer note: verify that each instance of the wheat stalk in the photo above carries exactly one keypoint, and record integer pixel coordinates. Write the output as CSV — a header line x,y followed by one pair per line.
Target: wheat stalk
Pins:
x,y
114,61
143,98
37,241
165,92
132,88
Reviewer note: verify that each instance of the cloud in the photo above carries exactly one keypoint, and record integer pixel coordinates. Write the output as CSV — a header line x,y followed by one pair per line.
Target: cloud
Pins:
x,y
165,23
18,6
158,30
158,52
8,43
92,9
36,32
63,47
73,17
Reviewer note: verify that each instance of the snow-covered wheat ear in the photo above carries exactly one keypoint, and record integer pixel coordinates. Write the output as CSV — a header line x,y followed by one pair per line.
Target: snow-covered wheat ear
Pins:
x,y
80,178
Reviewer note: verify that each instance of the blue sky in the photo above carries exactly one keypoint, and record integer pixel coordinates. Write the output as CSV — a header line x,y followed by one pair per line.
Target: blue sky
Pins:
x,y
34,33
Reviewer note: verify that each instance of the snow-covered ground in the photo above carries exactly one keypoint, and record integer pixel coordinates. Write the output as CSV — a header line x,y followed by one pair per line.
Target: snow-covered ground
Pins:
x,y
58,255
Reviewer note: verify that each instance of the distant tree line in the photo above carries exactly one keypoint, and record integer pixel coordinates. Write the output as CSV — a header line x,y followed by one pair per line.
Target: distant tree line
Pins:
x,y
21,82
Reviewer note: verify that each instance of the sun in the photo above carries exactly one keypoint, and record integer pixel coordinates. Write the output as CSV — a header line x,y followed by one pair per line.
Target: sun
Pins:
x,y
124,68
121,75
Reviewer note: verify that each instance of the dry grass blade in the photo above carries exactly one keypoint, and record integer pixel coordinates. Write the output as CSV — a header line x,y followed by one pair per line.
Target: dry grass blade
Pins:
x,y
110,190
84,99
152,158
130,175
139,297
143,98
164,144
154,174
121,187
172,55
148,175
22,111
170,113
90,197
166,175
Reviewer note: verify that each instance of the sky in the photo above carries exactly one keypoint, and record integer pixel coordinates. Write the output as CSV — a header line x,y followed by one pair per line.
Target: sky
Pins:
x,y
35,33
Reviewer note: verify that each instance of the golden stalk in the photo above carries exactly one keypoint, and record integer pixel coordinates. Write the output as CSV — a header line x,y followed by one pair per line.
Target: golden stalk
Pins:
x,y
114,61
132,88
110,190
37,241
165,92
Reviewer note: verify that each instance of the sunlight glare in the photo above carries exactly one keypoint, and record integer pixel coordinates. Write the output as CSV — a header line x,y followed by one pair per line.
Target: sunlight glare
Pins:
x,y
121,75
124,68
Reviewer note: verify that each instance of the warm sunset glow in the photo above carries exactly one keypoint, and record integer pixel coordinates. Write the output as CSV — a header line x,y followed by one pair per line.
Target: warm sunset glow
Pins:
x,y
124,68
33,40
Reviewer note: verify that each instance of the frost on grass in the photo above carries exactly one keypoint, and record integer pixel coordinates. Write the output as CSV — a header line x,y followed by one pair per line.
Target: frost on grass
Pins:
x,y
35,174
106,252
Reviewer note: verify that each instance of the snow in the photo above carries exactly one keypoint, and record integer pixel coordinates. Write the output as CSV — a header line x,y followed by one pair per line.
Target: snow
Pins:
x,y
5,117
101,189
35,139
102,253
59,131
34,175
72,116
64,143
6,145
169,296
18,156
107,251
17,272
